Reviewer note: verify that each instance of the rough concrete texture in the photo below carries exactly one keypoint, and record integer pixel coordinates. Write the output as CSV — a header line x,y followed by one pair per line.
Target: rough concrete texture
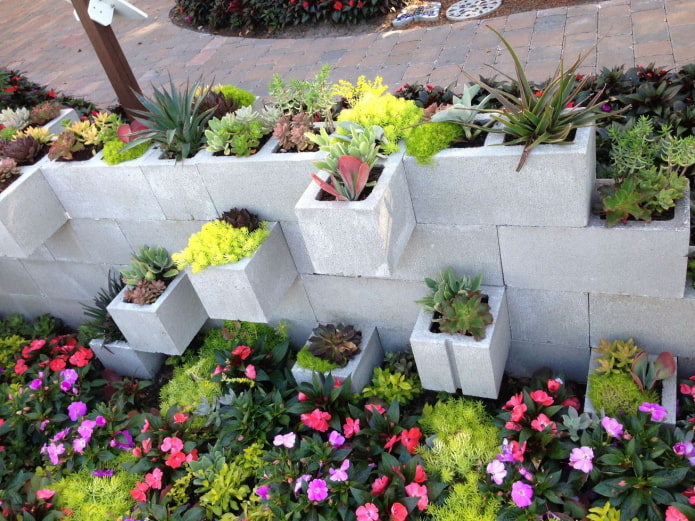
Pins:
x,y
527,357
481,185
120,357
55,126
172,235
90,240
359,238
67,280
475,367
166,326
295,241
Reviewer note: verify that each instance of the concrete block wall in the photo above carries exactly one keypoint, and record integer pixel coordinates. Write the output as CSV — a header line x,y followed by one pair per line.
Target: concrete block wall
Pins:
x,y
554,319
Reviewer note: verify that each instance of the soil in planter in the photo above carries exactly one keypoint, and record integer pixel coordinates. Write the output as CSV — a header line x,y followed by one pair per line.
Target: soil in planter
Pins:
x,y
374,175
5,183
477,142
81,155
434,326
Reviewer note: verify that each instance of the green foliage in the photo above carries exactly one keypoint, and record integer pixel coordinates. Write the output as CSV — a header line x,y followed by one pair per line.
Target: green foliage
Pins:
x,y
351,94
393,386
469,316
308,361
149,264
98,323
312,97
189,386
114,154
446,288
394,115
464,111
605,513
238,133
424,141
43,326
219,243
336,344
466,503
174,120
464,435
350,181
91,497
241,97
349,139
10,351
615,357
426,95
616,393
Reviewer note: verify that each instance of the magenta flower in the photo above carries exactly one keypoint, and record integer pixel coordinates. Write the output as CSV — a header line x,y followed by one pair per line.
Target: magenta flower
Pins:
x,y
101,421
612,427
35,384
507,454
301,479
127,442
103,473
54,451
497,471
317,490
606,107
341,473
79,445
263,491
69,378
285,440
522,494
581,459
60,435
76,410
336,439
658,412
367,512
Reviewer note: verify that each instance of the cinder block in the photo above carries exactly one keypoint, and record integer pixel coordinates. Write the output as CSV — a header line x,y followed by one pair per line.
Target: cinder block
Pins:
x,y
30,306
268,183
295,306
93,190
55,126
252,288
29,213
166,326
67,280
120,357
448,362
481,185
359,369
468,249
527,357
359,238
172,235
549,317
90,240
295,242
16,279
656,324
638,258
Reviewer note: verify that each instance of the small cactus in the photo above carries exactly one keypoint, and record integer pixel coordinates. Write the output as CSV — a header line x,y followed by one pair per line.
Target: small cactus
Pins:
x,y
336,344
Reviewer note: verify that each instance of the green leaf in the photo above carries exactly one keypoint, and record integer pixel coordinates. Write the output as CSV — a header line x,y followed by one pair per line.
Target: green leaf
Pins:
x,y
614,487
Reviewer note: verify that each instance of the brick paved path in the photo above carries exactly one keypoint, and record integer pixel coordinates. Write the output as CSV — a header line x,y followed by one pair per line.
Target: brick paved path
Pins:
x,y
42,38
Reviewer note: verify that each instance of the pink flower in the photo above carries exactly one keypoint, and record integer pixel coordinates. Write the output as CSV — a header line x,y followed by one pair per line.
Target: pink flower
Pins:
x,y
581,459
317,490
301,397
554,384
497,471
420,476
373,407
542,422
379,485
180,418
341,473
541,397
673,514
658,412
250,372
336,439
242,352
522,494
418,491
518,412
351,427
612,427
76,410
45,493
171,444
138,493
367,512
175,460
317,420
154,479
285,440
398,512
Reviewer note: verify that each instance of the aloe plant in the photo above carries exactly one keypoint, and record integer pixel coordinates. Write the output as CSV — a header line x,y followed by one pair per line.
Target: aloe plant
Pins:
x,y
350,181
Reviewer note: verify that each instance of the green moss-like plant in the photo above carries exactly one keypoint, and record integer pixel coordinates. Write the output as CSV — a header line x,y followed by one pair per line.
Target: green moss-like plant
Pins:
x,y
465,435
10,351
93,497
424,141
394,115
391,386
308,361
466,503
113,153
616,393
243,98
219,243
189,385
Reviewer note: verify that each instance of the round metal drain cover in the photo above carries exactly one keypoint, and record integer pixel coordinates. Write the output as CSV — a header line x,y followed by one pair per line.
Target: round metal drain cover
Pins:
x,y
467,9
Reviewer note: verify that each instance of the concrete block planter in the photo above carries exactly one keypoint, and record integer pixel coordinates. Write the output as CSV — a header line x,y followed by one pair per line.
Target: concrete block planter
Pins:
x,y
55,126
252,288
359,238
449,362
669,391
638,258
359,368
571,361
126,361
30,213
481,185
168,325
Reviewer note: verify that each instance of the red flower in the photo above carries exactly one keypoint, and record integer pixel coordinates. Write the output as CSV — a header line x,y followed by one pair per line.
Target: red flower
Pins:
x,y
554,384
10,89
518,412
514,401
51,94
398,512
57,364
180,418
317,420
570,104
138,492
538,94
572,402
420,476
34,346
302,397
351,3
360,5
305,4
175,460
338,5
411,439
379,485
82,357
541,397
373,407
242,352
391,442
16,78
518,451
351,427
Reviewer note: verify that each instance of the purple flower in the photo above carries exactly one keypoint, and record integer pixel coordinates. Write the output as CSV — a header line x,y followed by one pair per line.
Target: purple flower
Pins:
x,y
54,451
76,410
522,470
79,445
317,490
497,471
69,378
522,494
612,427
606,107
300,480
101,421
36,384
658,412
336,439
61,435
86,429
506,456
285,440
263,491
581,459
125,445
103,473
341,473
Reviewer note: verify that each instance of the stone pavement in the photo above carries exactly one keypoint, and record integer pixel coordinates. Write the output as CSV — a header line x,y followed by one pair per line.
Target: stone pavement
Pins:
x,y
43,39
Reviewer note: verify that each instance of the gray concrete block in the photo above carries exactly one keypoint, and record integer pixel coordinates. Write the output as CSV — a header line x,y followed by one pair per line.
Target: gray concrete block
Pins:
x,y
252,288
94,190
359,238
90,240
448,362
656,324
549,317
467,249
481,185
120,357
359,369
69,311
295,242
268,183
295,306
527,357
30,306
55,126
67,280
646,259
166,326
29,214
172,235
15,279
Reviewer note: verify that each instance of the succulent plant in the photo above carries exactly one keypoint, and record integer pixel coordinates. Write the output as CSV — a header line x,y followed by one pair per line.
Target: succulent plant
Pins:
x,y
39,133
45,112
8,169
467,315
15,118
241,218
145,292
336,344
24,149
616,356
446,288
219,104
646,373
291,132
65,145
149,264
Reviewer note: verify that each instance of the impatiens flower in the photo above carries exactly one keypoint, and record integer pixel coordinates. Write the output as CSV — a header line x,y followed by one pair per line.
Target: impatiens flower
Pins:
x,y
60,435
573,402
36,384
374,407
581,459
301,397
367,512
57,364
175,460
554,384
606,107
410,439
542,398
147,445
420,476
351,427
138,493
122,440
171,444
612,427
180,418
82,357
522,494
300,480
391,442
379,485
398,512
285,440
341,473
518,412
497,471
317,420
418,491
103,473
525,473
145,426
336,439
317,490
21,367
79,444
76,410
518,451
263,492
86,429
242,352
250,372
54,451
154,479
673,514
69,377
658,412
45,493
